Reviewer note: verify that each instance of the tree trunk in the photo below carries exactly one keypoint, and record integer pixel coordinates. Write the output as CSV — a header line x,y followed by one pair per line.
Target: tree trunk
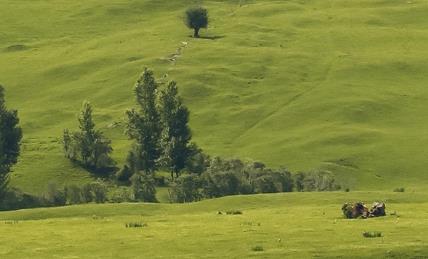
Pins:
x,y
196,34
172,175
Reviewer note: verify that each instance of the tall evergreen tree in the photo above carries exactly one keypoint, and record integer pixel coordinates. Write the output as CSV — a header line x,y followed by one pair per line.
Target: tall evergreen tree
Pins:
x,y
88,145
143,124
10,138
176,133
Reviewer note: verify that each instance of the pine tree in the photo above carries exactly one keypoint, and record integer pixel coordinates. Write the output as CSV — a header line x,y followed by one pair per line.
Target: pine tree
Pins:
x,y
88,145
143,124
176,134
10,138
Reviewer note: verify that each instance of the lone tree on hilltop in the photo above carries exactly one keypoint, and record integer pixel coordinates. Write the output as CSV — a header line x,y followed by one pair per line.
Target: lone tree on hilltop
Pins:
x,y
196,18
10,138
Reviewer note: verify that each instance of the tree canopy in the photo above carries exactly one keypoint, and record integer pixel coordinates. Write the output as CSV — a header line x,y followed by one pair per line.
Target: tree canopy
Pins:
x,y
196,18
10,138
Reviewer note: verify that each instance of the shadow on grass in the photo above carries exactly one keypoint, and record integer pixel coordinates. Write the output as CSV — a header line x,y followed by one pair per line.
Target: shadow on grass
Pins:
x,y
209,37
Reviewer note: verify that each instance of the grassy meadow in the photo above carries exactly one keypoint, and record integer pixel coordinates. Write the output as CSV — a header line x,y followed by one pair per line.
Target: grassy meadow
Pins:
x,y
330,84
293,225
339,85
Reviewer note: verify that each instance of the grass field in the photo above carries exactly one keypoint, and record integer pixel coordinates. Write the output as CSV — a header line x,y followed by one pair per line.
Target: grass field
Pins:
x,y
293,225
306,84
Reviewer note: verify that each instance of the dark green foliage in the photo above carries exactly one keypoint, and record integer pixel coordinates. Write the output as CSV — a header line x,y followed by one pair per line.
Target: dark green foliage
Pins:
x,y
121,194
229,177
299,181
124,174
372,234
176,133
197,161
14,199
87,195
55,196
233,212
218,184
10,138
316,180
88,146
144,188
401,189
135,225
99,191
258,248
143,126
186,188
73,194
265,184
196,18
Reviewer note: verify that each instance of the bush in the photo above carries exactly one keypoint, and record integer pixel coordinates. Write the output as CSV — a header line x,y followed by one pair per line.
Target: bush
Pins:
x,y
87,195
54,196
99,191
73,194
265,184
373,234
124,174
401,189
121,194
135,225
233,212
257,248
143,186
317,180
218,184
186,189
14,199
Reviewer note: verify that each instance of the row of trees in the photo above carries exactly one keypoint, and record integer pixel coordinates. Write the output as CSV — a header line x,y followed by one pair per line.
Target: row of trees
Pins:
x,y
232,177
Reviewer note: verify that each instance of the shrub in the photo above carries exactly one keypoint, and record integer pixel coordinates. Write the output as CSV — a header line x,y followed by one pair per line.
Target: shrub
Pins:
x,y
218,184
73,194
258,248
373,234
265,184
14,199
317,180
54,196
160,180
124,174
198,161
135,225
99,191
233,212
121,194
186,189
87,195
401,189
143,186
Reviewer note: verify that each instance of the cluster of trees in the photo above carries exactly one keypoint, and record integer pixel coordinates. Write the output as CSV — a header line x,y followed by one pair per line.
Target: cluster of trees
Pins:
x,y
232,177
161,138
56,196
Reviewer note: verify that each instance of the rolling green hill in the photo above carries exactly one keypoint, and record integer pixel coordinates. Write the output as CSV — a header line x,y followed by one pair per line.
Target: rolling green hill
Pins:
x,y
293,225
302,83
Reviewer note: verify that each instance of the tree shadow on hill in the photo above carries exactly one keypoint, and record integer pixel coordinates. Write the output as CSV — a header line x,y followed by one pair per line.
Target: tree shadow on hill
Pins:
x,y
209,37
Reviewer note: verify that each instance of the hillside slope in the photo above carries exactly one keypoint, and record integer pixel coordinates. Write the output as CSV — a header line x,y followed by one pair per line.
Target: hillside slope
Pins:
x,y
305,84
